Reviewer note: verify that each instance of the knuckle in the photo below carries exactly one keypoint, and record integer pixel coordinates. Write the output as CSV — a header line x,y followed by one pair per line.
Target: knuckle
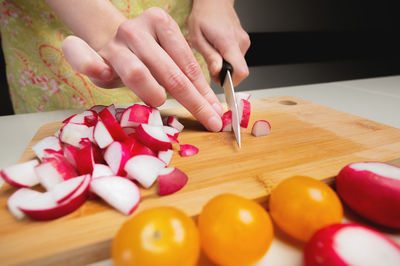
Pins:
x,y
158,15
199,109
192,71
246,39
134,74
176,83
243,73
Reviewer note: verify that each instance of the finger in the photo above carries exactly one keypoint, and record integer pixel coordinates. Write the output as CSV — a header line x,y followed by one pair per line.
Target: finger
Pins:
x,y
85,60
171,77
212,57
244,42
172,41
135,75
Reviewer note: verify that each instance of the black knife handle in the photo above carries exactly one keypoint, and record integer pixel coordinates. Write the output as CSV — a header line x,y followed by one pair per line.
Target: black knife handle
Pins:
x,y
225,67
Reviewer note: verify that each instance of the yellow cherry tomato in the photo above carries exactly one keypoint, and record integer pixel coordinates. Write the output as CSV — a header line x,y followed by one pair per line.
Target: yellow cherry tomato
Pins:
x,y
158,236
234,230
301,205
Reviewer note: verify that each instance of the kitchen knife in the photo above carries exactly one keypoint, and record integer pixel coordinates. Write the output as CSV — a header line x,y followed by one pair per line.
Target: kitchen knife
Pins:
x,y
226,81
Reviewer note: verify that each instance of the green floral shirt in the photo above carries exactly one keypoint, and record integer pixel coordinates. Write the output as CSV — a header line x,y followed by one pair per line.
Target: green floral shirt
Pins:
x,y
39,77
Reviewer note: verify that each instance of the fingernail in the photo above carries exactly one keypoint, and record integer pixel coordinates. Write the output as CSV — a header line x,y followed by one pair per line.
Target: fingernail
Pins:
x,y
218,108
214,124
106,75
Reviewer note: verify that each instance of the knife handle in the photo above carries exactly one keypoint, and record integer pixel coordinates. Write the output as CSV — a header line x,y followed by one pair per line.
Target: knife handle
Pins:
x,y
225,67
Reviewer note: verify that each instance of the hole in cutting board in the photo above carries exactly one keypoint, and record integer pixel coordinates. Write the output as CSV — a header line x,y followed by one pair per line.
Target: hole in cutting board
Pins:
x,y
287,102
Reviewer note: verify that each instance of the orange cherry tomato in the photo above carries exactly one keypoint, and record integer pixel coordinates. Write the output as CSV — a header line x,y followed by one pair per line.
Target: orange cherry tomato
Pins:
x,y
301,205
234,230
158,236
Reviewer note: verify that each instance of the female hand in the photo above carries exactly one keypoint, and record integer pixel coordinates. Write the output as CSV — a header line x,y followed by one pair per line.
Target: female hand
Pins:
x,y
215,31
148,54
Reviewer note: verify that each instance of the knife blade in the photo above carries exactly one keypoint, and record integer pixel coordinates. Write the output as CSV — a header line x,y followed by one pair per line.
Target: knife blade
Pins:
x,y
230,97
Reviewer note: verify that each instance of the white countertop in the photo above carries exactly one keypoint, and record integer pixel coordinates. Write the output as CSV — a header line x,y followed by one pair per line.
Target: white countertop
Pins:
x,y
376,99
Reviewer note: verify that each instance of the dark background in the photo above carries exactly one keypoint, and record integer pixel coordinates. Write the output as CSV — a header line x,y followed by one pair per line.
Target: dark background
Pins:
x,y
304,42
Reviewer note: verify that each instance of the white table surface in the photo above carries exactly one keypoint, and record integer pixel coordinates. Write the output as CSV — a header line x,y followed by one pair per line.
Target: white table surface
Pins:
x,y
376,99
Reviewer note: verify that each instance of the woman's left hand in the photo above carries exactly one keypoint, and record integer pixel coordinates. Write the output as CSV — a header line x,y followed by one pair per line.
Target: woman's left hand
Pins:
x,y
215,31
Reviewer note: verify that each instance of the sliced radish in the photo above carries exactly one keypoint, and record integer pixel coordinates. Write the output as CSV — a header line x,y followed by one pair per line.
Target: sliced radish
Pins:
x,y
165,156
171,131
261,128
65,189
17,198
53,171
139,149
116,156
71,154
118,113
372,189
139,114
153,137
101,135
48,143
73,133
85,161
351,244
124,120
155,118
242,95
100,170
45,207
21,175
227,121
129,130
144,169
186,150
117,191
88,118
112,125
173,121
244,110
98,108
170,180
172,139
111,108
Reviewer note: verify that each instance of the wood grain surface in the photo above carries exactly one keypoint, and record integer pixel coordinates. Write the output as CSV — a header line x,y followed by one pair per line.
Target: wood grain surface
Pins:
x,y
306,139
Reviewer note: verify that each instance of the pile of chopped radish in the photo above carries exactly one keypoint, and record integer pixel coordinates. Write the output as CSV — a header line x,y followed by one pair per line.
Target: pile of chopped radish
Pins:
x,y
105,151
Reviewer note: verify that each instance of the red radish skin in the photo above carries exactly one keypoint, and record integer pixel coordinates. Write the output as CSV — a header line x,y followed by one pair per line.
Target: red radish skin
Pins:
x,y
45,207
101,135
85,160
186,150
372,189
144,169
173,121
50,142
21,175
227,121
65,189
112,125
116,156
171,180
54,170
139,114
119,192
153,137
124,121
71,154
350,244
244,113
261,128
171,131
172,139
19,197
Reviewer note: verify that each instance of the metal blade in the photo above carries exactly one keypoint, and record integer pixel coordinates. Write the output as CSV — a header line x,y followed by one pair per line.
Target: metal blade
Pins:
x,y
232,105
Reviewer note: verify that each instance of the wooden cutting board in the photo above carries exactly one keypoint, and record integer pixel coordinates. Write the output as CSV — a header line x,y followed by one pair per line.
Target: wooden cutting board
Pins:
x,y
306,139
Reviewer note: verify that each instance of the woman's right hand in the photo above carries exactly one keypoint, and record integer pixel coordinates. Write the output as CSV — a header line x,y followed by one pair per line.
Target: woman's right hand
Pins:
x,y
149,55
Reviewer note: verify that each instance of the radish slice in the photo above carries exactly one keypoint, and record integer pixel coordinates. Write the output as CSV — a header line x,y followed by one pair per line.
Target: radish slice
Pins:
x,y
112,125
244,112
118,114
170,180
155,118
71,154
171,131
85,160
45,207
53,171
144,169
21,175
73,133
98,108
173,121
111,108
139,114
351,244
65,189
119,192
227,121
17,198
261,128
165,156
116,156
100,170
153,137
50,142
242,95
124,121
187,150
101,135
129,130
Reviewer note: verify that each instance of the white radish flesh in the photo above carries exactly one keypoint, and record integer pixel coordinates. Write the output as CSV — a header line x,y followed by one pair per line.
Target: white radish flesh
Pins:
x,y
244,110
101,135
65,189
18,198
165,156
155,118
50,142
116,156
73,133
261,128
144,169
21,175
53,171
100,170
153,137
